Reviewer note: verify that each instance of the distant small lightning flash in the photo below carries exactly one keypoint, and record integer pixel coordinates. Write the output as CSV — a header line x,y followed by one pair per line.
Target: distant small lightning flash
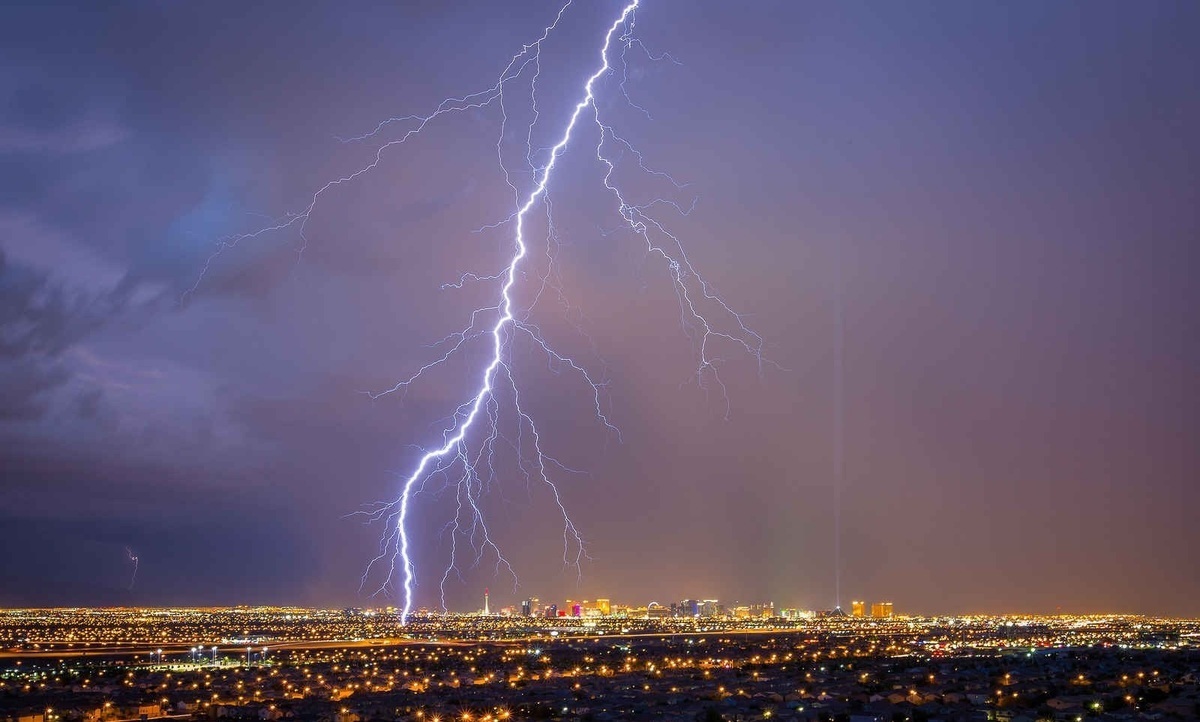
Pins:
x,y
465,460
132,558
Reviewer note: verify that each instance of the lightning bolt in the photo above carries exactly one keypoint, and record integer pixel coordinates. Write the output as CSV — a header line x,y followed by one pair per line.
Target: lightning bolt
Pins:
x,y
132,558
467,467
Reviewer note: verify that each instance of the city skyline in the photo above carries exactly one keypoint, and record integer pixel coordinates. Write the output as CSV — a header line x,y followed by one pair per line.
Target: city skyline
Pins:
x,y
963,235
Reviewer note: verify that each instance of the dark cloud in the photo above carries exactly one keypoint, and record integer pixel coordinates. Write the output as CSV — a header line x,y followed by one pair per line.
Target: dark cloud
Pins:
x,y
38,321
37,316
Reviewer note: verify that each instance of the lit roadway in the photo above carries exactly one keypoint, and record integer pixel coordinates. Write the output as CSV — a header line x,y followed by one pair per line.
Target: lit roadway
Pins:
x,y
229,650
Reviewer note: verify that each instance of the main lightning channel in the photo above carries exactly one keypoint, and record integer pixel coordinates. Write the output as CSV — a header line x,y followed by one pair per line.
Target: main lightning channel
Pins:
x,y
506,317
695,295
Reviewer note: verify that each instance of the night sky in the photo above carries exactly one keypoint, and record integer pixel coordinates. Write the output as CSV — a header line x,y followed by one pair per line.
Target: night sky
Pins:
x,y
1009,190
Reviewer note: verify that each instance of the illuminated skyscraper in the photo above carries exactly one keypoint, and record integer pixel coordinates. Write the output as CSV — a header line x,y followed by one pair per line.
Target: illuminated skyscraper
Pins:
x,y
526,608
604,606
881,610
858,609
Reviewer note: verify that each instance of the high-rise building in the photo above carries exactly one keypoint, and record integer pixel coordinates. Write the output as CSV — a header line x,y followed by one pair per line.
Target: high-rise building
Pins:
x,y
526,608
576,610
604,606
552,611
881,610
858,609
486,610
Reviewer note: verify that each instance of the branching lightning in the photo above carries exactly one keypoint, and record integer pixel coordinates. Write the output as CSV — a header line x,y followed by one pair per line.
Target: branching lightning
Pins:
x,y
465,462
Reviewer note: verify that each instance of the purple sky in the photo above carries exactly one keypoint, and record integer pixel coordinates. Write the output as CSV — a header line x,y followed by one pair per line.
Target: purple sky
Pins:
x,y
1010,188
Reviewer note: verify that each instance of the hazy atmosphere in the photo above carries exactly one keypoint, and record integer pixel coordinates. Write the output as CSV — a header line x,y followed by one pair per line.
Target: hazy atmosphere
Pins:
x,y
1000,198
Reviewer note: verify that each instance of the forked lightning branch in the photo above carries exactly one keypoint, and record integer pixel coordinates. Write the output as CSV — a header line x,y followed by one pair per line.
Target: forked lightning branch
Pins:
x,y
465,457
